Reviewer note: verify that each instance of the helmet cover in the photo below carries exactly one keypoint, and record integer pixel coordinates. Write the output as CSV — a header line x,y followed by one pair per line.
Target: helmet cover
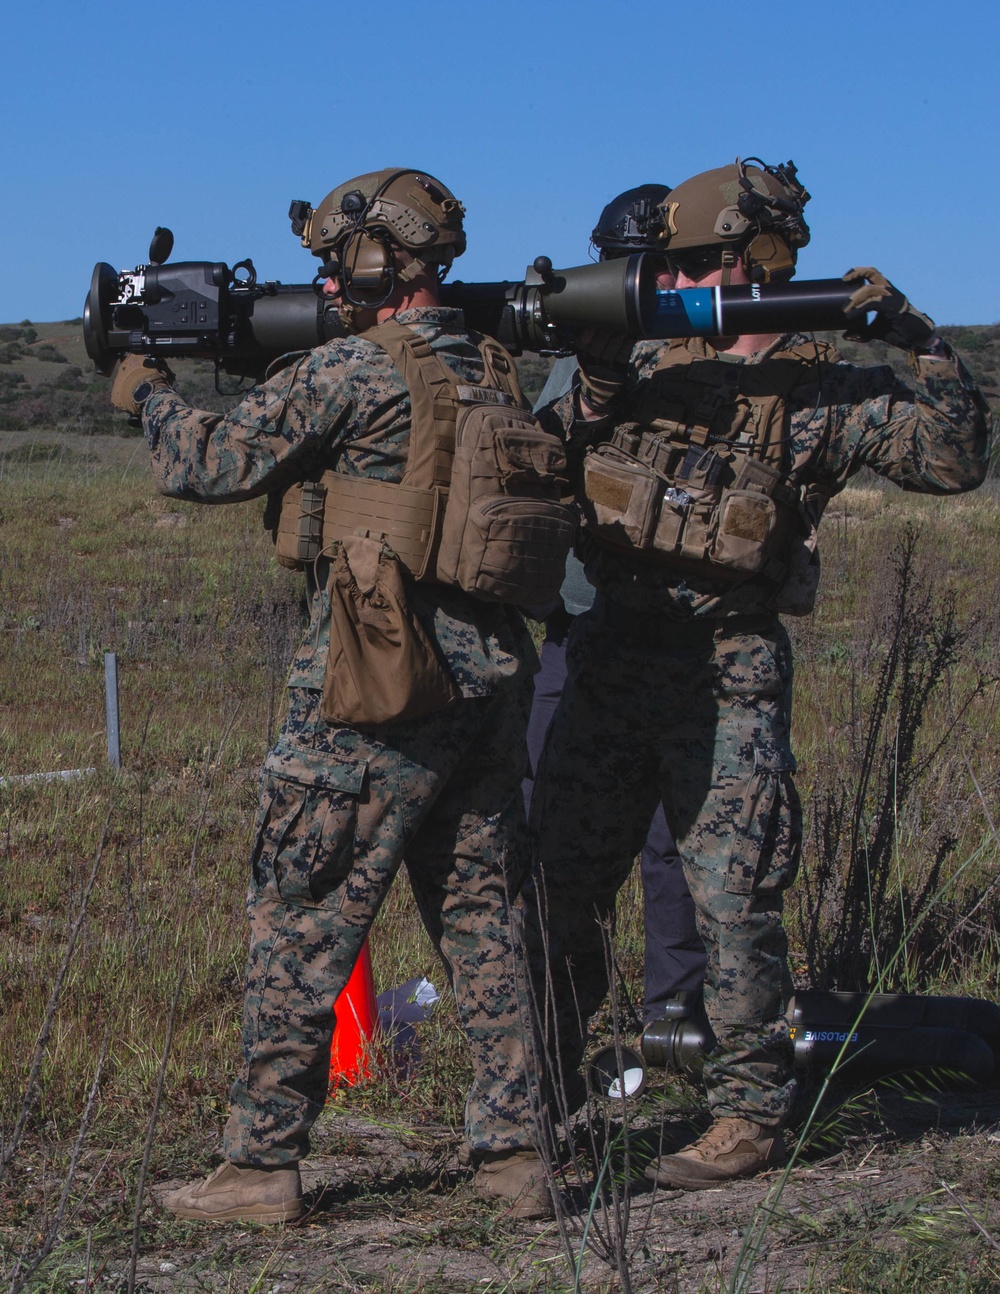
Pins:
x,y
410,208
754,209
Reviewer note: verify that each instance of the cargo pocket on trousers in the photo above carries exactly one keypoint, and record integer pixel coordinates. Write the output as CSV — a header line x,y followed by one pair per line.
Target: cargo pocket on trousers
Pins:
x,y
768,840
306,826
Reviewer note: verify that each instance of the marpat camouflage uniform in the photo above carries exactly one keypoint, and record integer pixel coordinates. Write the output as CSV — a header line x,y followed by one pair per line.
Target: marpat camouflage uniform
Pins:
x,y
342,807
680,688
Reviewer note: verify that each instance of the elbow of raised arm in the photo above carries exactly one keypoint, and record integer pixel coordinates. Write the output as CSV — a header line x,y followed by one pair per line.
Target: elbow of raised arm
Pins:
x,y
951,477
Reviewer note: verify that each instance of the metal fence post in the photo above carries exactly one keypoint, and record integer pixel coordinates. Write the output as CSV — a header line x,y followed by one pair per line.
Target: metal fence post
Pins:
x,y
111,700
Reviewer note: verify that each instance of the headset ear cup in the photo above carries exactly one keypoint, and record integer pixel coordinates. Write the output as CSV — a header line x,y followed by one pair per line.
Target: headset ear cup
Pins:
x,y
770,259
367,267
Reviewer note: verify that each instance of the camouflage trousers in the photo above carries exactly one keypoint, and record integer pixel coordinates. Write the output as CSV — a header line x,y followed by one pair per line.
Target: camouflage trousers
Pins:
x,y
340,810
698,717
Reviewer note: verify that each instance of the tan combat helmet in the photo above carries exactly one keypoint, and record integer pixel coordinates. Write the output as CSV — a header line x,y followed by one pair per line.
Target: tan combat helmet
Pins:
x,y
744,210
380,227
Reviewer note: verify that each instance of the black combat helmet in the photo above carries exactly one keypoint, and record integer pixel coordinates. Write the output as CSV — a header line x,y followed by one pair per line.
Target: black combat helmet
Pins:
x,y
631,222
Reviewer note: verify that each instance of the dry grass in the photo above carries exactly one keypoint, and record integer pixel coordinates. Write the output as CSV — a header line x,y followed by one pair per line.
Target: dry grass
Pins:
x,y
203,623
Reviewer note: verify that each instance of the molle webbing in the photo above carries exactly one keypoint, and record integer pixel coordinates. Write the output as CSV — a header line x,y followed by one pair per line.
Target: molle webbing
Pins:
x,y
317,514
433,404
436,397
698,478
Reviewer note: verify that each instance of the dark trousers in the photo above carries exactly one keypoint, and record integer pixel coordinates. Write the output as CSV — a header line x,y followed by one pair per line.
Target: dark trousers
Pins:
x,y
675,954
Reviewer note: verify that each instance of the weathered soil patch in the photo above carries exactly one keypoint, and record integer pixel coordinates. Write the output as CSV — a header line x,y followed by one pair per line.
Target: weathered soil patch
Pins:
x,y
393,1210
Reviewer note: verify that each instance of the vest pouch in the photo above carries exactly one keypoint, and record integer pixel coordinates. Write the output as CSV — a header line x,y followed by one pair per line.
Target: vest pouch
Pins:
x,y
382,666
298,538
621,498
747,520
505,535
674,513
528,464
514,549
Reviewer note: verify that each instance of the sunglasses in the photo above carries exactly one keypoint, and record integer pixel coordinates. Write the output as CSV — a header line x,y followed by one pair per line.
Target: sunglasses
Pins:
x,y
693,264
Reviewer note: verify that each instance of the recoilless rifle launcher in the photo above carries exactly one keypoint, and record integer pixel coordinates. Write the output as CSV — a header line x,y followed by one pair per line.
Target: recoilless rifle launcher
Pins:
x,y
207,309
865,1036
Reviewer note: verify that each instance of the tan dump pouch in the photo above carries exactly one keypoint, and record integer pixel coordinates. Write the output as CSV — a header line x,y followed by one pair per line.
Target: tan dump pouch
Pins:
x,y
382,666
506,534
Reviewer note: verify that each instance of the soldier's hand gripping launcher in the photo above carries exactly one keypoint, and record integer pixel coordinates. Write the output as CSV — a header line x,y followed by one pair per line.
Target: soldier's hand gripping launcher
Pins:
x,y
204,308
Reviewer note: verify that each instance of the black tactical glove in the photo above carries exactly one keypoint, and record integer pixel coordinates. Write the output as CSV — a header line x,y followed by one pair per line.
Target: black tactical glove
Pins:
x,y
602,358
896,322
135,378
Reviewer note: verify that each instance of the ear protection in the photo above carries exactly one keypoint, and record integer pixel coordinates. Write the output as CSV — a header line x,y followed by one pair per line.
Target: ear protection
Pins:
x,y
769,256
364,261
365,268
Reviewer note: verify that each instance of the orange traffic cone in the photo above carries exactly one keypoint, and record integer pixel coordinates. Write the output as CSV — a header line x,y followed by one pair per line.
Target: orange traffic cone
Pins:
x,y
356,1022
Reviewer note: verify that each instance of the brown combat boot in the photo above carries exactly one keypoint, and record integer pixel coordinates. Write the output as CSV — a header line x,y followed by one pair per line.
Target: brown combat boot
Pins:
x,y
731,1148
234,1193
517,1177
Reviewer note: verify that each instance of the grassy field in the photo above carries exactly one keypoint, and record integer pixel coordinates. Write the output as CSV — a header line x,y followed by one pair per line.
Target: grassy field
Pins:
x,y
895,732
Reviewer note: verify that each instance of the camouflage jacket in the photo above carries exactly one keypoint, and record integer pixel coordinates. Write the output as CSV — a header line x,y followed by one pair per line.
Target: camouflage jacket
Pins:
x,y
932,437
342,406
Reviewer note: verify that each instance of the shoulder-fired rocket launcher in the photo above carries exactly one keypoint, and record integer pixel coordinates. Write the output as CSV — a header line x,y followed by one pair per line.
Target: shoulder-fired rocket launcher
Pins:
x,y
207,309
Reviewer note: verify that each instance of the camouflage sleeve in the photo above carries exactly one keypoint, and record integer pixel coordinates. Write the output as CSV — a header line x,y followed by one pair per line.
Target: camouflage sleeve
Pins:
x,y
267,441
933,437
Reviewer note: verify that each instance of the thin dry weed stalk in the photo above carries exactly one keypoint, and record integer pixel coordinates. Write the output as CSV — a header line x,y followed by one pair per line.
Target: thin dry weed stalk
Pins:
x,y
211,768
147,1149
604,1171
855,897
20,1279
45,1033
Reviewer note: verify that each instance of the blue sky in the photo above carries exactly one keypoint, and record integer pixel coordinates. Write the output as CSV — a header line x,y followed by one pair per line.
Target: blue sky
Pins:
x,y
209,117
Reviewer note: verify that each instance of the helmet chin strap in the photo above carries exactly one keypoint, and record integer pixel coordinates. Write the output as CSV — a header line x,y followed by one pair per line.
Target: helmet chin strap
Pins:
x,y
729,262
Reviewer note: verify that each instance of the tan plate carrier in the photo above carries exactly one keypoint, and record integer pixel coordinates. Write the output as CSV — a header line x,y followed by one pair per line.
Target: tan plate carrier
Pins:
x,y
698,480
483,503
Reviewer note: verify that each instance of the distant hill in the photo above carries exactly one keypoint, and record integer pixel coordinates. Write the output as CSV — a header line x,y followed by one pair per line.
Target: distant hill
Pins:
x,y
47,380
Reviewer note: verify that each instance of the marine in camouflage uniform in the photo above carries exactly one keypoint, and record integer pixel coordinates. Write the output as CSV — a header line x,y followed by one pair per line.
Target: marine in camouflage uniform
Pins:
x,y
680,688
342,807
